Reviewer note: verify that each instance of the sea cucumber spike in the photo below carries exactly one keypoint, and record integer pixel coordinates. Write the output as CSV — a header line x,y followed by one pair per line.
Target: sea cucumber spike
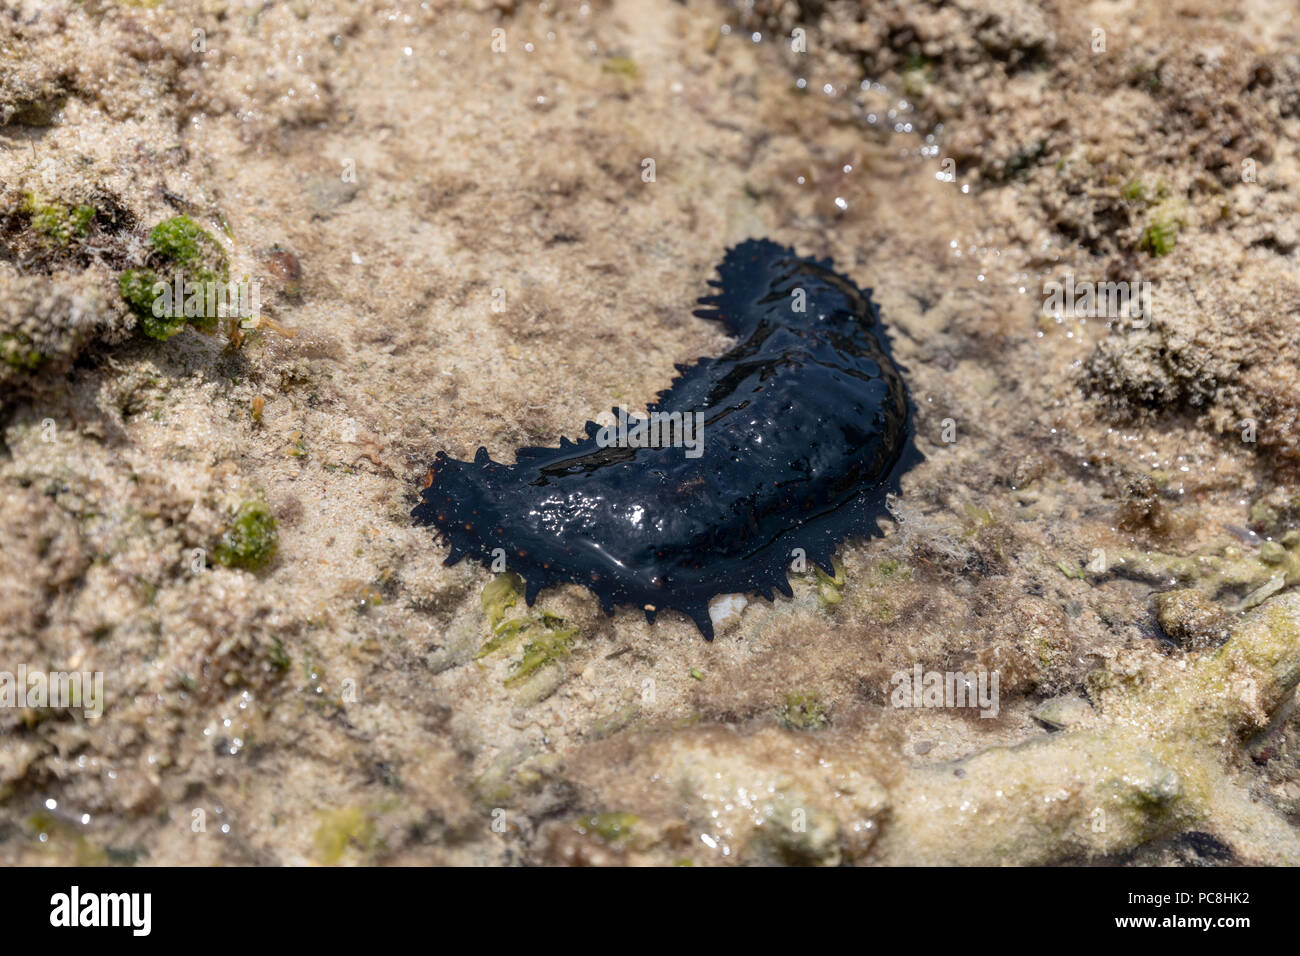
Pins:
x,y
703,621
532,587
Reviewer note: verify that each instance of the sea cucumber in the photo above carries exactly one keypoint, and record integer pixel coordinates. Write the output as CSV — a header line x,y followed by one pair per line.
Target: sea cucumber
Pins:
x,y
807,427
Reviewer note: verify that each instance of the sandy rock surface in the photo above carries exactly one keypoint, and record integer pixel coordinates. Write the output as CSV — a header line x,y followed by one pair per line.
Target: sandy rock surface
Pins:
x,y
446,210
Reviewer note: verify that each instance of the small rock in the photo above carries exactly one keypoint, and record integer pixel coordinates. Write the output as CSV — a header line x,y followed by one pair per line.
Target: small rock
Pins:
x,y
326,193
1027,470
1192,620
1059,713
285,267
725,608
1270,552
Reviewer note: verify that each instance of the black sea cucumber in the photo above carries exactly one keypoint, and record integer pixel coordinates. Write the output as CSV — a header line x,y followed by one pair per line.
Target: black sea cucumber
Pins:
x,y
807,427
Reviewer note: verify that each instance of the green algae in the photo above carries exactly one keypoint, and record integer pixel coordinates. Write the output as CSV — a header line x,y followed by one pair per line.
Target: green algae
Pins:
x,y
499,595
137,289
803,711
889,568
1144,764
1239,579
339,829
250,542
830,587
1274,510
1159,237
621,66
1072,571
548,638
1134,191
614,828
278,657
57,225
514,773
552,643
183,241
180,248
976,519
18,352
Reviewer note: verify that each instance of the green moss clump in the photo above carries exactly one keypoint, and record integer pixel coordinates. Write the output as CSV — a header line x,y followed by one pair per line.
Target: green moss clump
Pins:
x,y
17,351
1158,238
803,711
136,287
1134,191
183,245
888,568
183,241
251,540
55,223
79,219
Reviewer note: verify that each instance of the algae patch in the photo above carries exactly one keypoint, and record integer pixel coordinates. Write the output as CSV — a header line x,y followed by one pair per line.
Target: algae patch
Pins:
x,y
185,256
339,829
251,540
804,711
57,225
613,828
19,353
548,638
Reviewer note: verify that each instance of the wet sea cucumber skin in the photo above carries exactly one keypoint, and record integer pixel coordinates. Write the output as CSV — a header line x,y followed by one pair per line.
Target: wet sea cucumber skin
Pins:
x,y
807,427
